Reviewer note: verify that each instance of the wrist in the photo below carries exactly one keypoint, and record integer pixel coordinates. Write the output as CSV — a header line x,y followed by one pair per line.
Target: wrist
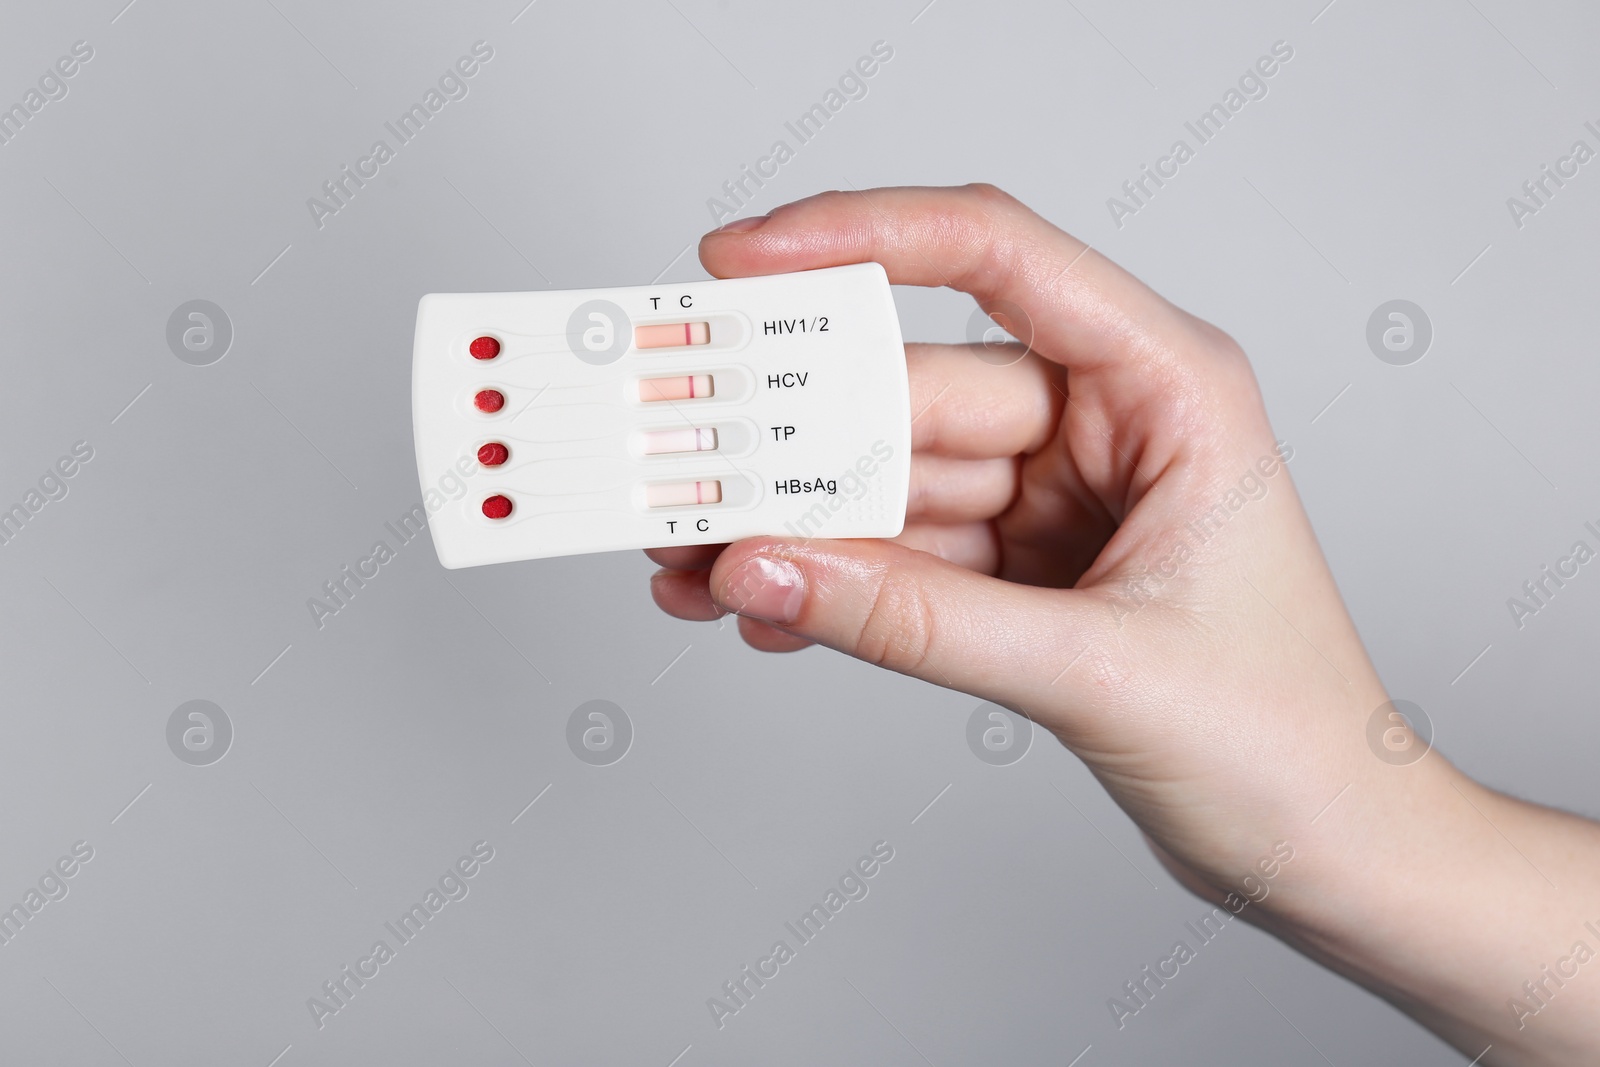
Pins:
x,y
1442,896
1381,836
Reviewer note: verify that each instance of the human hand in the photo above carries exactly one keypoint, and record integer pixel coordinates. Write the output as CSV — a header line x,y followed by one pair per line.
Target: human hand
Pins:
x,y
1103,536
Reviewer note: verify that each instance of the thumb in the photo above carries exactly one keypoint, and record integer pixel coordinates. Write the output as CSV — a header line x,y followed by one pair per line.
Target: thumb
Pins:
x,y
917,614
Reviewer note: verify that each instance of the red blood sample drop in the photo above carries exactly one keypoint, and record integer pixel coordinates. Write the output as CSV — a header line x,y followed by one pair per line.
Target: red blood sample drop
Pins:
x,y
493,454
484,348
490,400
497,506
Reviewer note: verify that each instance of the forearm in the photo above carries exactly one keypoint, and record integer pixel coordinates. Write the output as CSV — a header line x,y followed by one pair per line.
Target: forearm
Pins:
x,y
1477,914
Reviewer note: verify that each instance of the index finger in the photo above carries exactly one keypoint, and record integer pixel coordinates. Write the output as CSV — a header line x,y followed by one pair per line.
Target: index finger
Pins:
x,y
1084,310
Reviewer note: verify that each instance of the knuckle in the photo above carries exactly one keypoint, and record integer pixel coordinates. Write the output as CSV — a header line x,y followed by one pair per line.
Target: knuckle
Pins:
x,y
982,229
1218,342
1207,362
898,629
1229,367
918,489
1207,341
986,193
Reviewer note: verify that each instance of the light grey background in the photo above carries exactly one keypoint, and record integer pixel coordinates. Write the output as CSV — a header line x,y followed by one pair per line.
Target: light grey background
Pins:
x,y
427,714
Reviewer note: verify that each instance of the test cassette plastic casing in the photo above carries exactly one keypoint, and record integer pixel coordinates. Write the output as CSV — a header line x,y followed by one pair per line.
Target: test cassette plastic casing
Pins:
x,y
680,414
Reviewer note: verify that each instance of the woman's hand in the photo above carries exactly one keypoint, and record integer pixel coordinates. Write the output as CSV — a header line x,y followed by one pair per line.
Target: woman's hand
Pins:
x,y
1103,536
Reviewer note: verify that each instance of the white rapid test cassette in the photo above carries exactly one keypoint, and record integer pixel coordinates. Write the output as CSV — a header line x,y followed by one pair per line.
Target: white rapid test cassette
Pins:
x,y
557,423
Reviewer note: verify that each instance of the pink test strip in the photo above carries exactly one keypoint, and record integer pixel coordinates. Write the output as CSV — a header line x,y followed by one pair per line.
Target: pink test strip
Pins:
x,y
680,494
681,387
694,439
671,335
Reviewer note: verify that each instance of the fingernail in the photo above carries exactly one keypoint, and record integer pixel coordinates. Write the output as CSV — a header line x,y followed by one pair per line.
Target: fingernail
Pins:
x,y
742,225
767,589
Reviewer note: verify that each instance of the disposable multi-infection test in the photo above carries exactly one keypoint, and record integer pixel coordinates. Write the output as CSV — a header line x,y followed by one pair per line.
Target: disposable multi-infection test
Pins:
x,y
678,414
